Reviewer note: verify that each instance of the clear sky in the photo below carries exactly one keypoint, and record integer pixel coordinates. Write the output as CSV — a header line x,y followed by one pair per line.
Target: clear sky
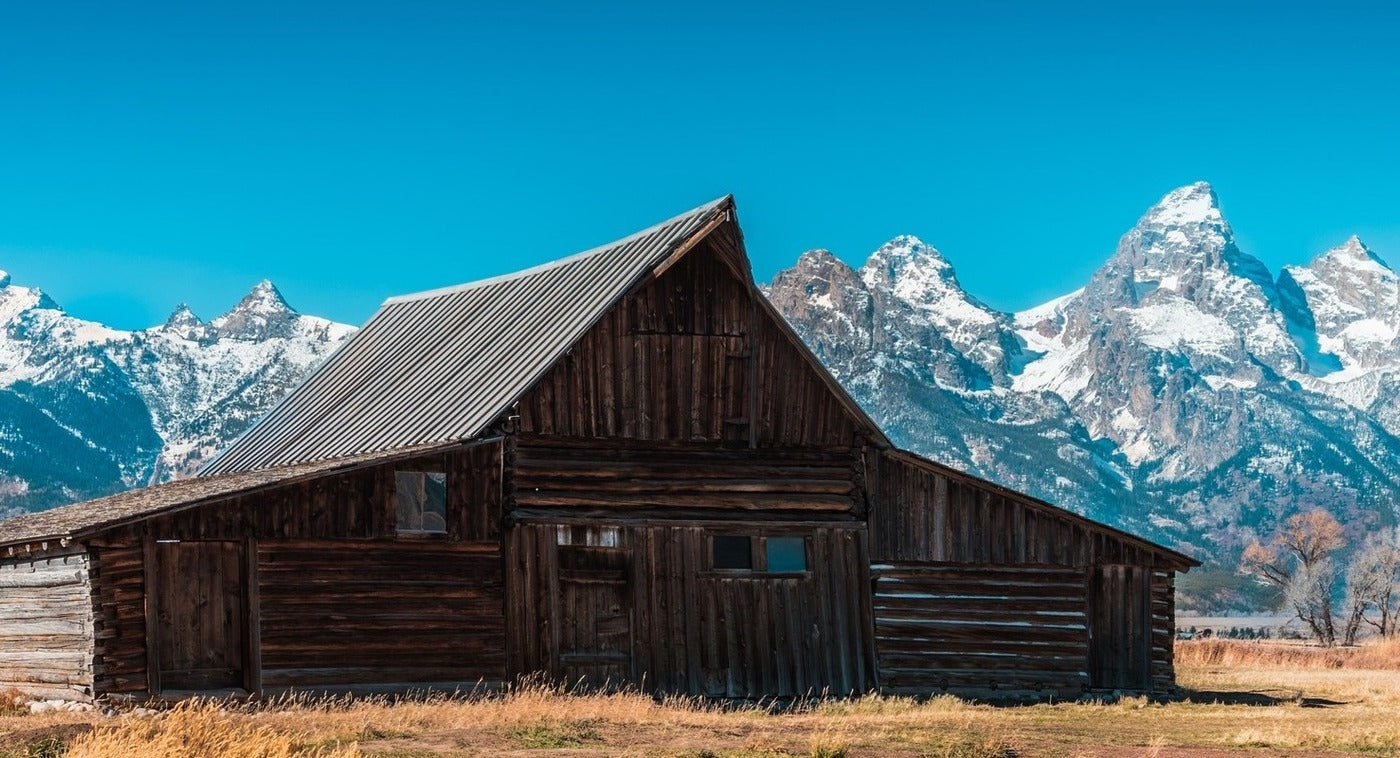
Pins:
x,y
350,151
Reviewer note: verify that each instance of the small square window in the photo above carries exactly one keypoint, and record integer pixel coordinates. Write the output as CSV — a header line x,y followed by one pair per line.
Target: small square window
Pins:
x,y
787,554
731,552
420,502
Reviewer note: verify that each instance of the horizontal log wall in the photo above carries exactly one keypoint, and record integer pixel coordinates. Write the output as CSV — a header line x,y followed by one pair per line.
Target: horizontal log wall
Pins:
x,y
46,626
702,632
560,473
689,357
361,613
119,595
982,629
1163,631
353,505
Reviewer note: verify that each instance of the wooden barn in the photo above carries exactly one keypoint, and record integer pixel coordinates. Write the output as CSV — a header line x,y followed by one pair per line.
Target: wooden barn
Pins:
x,y
621,467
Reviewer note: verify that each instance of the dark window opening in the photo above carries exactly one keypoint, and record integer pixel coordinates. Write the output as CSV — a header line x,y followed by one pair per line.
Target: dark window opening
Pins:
x,y
420,502
731,552
787,554
759,554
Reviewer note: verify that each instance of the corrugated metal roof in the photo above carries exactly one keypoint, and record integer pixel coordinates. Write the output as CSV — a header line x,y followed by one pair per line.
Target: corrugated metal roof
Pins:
x,y
443,365
92,515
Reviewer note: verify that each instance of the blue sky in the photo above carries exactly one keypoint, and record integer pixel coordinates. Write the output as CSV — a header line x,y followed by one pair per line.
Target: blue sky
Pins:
x,y
350,151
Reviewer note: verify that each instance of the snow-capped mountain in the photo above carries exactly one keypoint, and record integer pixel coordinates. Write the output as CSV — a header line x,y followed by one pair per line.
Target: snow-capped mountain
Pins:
x,y
86,410
1183,391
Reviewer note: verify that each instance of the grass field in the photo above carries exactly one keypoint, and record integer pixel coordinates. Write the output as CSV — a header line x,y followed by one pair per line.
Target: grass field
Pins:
x,y
1240,699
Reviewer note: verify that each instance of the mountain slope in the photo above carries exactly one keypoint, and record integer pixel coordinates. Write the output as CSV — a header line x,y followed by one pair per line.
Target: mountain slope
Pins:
x,y
1183,391
86,410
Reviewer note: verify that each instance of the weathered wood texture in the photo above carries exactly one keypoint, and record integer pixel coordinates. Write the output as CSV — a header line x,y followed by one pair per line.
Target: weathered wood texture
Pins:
x,y
353,505
922,513
46,626
689,356
993,628
1119,618
692,629
201,612
119,598
1163,631
366,612
578,474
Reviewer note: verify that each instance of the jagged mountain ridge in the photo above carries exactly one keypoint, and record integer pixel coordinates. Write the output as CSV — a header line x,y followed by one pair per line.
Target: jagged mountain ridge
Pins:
x,y
1183,392
86,410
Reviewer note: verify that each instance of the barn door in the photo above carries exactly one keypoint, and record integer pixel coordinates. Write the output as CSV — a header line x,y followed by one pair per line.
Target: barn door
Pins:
x,y
1119,628
200,615
595,616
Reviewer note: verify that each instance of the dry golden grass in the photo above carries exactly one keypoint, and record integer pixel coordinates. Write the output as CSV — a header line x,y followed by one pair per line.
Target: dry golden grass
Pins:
x,y
1377,654
1232,709
199,728
13,702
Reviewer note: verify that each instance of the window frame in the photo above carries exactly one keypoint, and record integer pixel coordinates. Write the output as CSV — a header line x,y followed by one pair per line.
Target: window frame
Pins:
x,y
421,533
758,554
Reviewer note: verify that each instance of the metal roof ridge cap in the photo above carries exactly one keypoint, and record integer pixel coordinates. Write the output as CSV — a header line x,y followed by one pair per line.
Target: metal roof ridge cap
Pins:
x,y
548,265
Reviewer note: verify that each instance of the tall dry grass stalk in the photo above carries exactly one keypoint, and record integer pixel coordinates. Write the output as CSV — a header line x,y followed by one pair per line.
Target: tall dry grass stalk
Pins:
x,y
1382,655
199,729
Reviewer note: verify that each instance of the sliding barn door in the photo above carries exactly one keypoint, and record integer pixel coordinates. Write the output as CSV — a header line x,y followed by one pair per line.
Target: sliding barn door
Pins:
x,y
200,615
1120,628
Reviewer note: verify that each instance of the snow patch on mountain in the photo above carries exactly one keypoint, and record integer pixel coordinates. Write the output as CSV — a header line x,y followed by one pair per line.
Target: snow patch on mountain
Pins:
x,y
1183,391
86,410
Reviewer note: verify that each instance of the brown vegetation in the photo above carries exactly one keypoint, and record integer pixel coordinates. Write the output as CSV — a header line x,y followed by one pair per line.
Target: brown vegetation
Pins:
x,y
1381,655
13,702
1234,704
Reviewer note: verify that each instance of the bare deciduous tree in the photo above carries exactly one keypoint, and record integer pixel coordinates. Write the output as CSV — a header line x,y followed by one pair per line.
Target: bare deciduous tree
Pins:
x,y
1298,560
1373,583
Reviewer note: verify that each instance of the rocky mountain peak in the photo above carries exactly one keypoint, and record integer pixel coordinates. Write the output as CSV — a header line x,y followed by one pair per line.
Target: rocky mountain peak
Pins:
x,y
1183,235
1352,254
917,274
821,262
909,261
820,281
1190,287
184,324
1350,299
4,278
1193,204
263,298
183,316
261,314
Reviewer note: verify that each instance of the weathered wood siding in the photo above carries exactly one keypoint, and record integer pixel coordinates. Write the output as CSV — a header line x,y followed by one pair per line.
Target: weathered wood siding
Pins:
x,y
705,632
1163,630
336,613
611,474
357,504
1120,628
323,545
987,628
925,513
689,357
926,521
46,626
119,597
